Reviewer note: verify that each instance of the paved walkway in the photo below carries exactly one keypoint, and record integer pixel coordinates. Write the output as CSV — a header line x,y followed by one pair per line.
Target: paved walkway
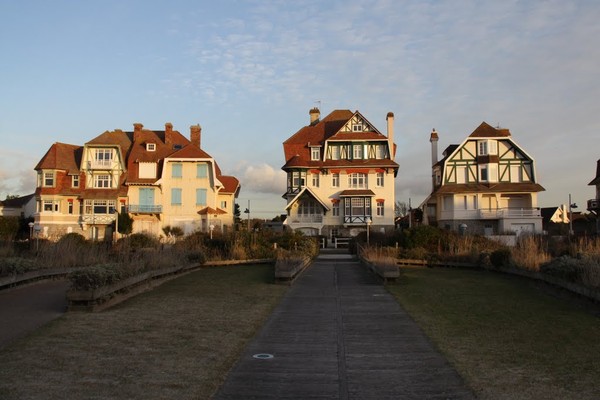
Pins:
x,y
26,308
338,334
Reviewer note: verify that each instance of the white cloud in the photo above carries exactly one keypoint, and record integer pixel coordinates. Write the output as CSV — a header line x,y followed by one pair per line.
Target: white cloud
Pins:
x,y
262,178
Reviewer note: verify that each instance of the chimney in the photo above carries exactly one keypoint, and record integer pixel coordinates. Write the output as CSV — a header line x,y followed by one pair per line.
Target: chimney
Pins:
x,y
433,139
195,131
137,131
390,132
169,133
315,115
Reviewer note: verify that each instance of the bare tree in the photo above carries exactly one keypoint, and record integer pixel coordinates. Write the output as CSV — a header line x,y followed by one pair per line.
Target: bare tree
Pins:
x,y
400,209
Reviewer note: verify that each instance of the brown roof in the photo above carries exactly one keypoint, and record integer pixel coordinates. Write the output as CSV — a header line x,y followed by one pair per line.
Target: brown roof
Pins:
x,y
486,130
230,184
17,201
357,192
62,156
491,187
210,210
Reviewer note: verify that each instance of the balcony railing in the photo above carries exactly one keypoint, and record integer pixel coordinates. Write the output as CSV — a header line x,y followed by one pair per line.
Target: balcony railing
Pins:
x,y
144,209
307,218
495,213
357,219
103,219
593,205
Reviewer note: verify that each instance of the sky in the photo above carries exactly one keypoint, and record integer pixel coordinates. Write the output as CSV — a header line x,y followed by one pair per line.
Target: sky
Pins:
x,y
249,72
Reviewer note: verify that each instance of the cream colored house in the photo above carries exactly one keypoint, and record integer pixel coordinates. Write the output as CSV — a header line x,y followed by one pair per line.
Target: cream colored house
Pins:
x,y
340,175
485,185
81,188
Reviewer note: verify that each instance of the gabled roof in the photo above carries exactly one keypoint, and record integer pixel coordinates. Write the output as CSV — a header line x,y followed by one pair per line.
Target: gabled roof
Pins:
x,y
190,151
62,156
309,193
596,180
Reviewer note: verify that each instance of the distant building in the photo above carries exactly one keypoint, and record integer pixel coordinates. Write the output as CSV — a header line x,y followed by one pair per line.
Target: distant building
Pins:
x,y
485,185
23,206
340,175
159,177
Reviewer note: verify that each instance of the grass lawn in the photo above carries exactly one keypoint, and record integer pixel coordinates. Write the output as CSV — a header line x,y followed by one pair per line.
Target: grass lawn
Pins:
x,y
175,342
508,338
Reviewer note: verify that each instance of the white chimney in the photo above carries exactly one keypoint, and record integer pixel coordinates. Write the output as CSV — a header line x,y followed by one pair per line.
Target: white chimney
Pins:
x,y
433,139
390,133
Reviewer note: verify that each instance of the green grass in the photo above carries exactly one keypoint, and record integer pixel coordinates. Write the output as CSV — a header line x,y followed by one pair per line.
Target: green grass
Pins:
x,y
507,337
176,342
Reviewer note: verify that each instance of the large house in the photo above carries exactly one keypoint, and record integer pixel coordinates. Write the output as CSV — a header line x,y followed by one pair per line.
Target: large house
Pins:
x,y
159,177
340,175
485,185
593,205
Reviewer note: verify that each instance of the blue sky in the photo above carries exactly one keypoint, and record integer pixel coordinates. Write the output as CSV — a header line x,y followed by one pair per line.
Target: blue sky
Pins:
x,y
249,71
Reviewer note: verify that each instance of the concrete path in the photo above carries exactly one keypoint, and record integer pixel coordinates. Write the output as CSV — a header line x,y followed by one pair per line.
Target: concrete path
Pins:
x,y
23,309
338,334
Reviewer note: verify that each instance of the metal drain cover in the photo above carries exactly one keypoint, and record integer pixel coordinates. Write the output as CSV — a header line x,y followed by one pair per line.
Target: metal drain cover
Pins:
x,y
263,356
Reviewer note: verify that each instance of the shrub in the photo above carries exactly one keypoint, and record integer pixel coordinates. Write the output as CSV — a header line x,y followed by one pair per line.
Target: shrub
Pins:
x,y
173,231
139,241
96,276
16,266
72,239
501,257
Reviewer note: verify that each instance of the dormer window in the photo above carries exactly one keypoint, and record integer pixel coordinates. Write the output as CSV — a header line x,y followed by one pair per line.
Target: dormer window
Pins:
x,y
357,128
315,153
150,146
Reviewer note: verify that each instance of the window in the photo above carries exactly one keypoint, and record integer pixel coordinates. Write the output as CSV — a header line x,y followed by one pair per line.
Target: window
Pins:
x,y
48,179
201,170
357,128
200,197
175,197
70,207
102,181
100,206
357,151
335,180
380,151
380,179
176,170
357,181
103,157
487,147
357,206
223,205
336,209
298,179
315,180
75,181
335,152
50,206
315,153
483,150
151,146
380,208
483,173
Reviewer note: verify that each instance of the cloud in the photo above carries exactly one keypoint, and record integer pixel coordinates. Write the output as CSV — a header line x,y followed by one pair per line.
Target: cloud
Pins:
x,y
262,178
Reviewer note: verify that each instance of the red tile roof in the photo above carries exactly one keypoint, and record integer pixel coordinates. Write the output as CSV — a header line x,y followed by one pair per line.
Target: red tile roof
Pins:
x,y
524,187
486,130
62,156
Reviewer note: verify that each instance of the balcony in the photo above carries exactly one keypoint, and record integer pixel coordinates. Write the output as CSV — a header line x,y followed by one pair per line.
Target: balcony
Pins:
x,y
307,218
144,209
593,205
98,219
357,219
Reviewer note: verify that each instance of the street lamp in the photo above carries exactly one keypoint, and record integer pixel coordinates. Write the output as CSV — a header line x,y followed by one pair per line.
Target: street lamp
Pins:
x,y
30,230
368,220
571,205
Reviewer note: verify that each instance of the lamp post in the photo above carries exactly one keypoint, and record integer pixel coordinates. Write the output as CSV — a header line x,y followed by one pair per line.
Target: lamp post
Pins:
x,y
571,205
368,220
30,231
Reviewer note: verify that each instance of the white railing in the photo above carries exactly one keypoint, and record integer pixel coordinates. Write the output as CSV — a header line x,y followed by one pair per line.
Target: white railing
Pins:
x,y
97,218
494,213
310,218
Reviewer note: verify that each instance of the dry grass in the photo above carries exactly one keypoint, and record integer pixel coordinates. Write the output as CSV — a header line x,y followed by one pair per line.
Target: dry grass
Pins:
x,y
506,337
176,342
529,253
385,257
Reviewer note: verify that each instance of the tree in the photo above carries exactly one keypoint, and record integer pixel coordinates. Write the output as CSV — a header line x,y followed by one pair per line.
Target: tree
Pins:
x,y
236,214
401,209
12,196
125,223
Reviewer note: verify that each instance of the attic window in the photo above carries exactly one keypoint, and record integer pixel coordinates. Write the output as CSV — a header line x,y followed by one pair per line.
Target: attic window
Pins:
x,y
315,153
151,146
177,147
357,128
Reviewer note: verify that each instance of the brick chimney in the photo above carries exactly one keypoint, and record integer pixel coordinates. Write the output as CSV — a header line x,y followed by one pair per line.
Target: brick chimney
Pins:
x,y
137,131
195,132
390,132
433,139
315,115
169,133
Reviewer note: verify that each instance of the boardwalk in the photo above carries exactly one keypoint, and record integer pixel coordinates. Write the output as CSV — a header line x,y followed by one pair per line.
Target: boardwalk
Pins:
x,y
338,334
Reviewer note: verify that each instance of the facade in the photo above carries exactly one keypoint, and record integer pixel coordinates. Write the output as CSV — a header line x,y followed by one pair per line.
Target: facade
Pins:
x,y
593,205
485,185
80,188
340,175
